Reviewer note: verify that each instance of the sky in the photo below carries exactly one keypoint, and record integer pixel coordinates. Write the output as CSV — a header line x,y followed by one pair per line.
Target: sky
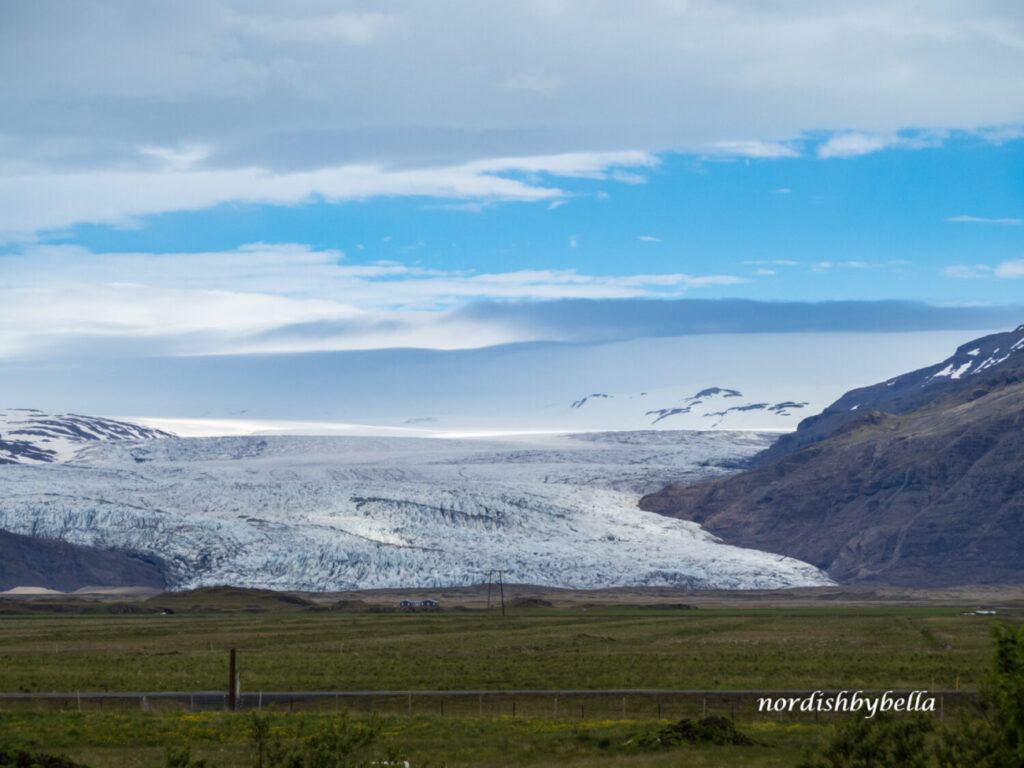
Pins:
x,y
227,178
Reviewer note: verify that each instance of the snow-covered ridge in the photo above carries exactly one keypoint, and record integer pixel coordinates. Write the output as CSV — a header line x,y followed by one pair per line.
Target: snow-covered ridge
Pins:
x,y
325,513
28,436
993,351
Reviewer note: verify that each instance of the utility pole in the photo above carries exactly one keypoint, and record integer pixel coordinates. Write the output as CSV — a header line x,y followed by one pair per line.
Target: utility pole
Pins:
x,y
501,587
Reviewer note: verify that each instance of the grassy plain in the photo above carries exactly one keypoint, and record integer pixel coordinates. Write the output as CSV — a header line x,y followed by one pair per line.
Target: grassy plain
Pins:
x,y
884,647
285,646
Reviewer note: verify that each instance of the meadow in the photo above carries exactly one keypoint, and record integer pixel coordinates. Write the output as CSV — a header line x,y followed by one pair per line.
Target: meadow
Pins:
x,y
290,647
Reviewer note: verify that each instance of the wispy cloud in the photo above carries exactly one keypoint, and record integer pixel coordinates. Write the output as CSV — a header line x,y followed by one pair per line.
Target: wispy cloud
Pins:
x,y
1007,269
30,203
1010,269
649,238
983,220
967,271
854,144
209,302
753,149
822,266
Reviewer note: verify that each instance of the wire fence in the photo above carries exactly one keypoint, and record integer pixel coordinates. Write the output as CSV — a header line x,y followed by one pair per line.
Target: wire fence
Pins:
x,y
565,704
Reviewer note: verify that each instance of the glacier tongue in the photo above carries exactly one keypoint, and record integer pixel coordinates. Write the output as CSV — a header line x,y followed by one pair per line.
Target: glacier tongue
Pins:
x,y
332,513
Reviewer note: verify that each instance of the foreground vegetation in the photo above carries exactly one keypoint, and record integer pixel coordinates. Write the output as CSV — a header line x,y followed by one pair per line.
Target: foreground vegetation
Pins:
x,y
610,647
225,740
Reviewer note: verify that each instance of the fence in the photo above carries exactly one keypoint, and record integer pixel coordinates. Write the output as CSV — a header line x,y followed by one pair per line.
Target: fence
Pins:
x,y
613,704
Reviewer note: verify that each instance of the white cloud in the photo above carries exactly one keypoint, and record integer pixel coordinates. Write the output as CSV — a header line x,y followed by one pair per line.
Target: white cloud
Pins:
x,y
299,87
224,301
782,191
967,271
755,149
853,144
649,238
981,220
31,203
764,272
821,266
1010,269
573,242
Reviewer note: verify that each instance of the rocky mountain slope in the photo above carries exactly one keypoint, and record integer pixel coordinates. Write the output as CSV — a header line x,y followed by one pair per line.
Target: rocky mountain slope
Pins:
x,y
36,561
998,351
930,493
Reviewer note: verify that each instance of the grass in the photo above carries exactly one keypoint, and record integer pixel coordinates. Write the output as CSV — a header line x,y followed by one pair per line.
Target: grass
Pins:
x,y
601,648
135,739
617,647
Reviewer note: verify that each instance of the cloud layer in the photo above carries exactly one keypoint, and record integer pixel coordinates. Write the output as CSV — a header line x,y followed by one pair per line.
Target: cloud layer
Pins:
x,y
60,301
262,298
118,109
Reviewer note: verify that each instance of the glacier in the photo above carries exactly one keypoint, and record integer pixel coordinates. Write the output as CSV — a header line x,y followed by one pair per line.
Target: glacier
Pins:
x,y
332,513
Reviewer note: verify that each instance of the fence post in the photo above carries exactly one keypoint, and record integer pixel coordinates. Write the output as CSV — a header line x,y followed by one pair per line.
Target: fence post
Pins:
x,y
232,701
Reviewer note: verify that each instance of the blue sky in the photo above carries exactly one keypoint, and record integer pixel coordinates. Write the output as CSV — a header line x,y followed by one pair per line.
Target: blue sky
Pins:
x,y
224,177
893,224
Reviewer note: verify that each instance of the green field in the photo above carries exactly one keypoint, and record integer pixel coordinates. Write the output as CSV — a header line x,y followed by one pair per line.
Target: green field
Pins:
x,y
599,648
294,649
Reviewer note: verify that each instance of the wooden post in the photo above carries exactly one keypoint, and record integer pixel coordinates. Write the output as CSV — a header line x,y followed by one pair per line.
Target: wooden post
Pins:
x,y
501,586
232,699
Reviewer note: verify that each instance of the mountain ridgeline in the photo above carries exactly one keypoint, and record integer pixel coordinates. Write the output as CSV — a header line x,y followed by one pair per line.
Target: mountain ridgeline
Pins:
x,y
915,481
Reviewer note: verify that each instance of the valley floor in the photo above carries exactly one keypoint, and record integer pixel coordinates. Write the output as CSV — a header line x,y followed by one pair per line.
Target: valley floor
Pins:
x,y
804,639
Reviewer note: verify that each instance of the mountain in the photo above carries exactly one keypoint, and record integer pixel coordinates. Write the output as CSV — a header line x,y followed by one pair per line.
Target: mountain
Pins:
x,y
39,562
927,492
331,513
29,436
901,394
